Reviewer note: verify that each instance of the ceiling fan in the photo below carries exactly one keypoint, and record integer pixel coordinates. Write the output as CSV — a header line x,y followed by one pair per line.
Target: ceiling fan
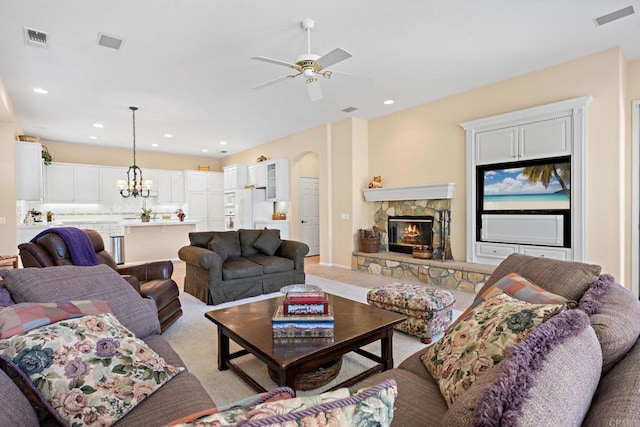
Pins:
x,y
309,65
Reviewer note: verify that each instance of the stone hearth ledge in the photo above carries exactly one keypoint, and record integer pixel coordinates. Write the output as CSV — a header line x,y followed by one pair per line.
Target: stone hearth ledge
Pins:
x,y
461,276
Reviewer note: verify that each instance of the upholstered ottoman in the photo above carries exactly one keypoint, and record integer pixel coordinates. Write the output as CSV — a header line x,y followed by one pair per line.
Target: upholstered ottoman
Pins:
x,y
428,311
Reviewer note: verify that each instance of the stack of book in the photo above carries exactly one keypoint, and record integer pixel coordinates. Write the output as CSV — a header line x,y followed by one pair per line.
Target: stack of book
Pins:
x,y
303,314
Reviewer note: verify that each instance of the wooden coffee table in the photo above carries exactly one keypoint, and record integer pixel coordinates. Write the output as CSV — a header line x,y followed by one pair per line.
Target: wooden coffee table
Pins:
x,y
356,325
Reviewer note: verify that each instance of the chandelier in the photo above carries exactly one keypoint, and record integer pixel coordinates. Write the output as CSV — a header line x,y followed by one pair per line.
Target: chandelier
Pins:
x,y
134,184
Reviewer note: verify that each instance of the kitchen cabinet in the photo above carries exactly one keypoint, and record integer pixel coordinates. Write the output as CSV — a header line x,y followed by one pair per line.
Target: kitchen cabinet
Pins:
x,y
536,140
281,225
204,196
60,181
29,171
277,184
70,183
109,190
235,177
257,175
168,186
86,187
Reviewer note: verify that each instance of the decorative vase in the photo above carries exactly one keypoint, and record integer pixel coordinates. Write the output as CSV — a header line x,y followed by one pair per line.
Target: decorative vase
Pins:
x,y
145,218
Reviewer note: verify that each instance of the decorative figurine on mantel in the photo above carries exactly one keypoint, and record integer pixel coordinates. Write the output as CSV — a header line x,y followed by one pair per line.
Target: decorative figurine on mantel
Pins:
x,y
376,183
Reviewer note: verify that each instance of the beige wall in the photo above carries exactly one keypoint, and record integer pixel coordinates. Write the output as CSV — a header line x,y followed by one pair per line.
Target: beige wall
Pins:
x,y
425,145
107,156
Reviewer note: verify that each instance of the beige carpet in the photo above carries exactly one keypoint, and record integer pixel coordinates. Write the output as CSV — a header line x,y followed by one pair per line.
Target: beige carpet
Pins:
x,y
195,339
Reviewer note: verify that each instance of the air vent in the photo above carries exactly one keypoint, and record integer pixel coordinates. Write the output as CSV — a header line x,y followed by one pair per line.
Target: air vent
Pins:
x,y
613,16
349,109
34,37
111,42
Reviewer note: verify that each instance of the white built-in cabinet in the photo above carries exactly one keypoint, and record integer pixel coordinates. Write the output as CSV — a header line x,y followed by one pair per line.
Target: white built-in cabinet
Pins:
x,y
109,190
545,138
168,186
29,172
277,177
257,174
204,195
235,177
72,183
547,131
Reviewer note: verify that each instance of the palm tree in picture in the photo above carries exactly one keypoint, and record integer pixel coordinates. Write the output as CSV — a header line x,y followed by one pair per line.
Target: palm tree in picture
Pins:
x,y
544,173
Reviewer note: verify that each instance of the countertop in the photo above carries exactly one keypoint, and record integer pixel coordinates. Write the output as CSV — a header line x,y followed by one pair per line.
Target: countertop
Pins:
x,y
125,222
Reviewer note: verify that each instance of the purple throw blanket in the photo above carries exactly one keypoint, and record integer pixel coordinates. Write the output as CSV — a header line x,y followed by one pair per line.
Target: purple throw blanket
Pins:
x,y
78,243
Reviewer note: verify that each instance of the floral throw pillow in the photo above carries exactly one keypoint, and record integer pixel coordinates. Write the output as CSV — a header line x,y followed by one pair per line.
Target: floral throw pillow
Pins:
x,y
478,342
371,406
89,370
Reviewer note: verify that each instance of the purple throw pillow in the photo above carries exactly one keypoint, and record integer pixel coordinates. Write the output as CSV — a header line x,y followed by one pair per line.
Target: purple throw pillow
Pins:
x,y
5,297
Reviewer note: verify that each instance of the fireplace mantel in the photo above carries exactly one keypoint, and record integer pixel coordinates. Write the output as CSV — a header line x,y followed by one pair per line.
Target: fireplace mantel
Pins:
x,y
413,192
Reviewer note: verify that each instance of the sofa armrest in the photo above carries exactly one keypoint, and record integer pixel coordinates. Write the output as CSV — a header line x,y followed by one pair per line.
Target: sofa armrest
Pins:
x,y
294,250
156,270
200,257
133,281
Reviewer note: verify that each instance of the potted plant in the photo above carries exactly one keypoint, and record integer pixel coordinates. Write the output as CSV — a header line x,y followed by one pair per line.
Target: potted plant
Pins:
x,y
181,215
146,213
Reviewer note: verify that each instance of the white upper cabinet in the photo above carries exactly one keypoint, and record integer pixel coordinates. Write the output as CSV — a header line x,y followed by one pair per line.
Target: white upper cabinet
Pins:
x,y
277,180
545,138
60,182
168,186
196,181
29,182
87,184
109,190
235,177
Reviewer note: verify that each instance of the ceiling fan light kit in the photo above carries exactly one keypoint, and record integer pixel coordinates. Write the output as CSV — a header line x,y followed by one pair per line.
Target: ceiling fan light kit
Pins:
x,y
309,65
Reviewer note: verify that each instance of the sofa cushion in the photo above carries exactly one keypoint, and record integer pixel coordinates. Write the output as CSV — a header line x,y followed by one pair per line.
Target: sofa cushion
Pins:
x,y
239,268
5,296
247,239
231,243
20,318
520,288
480,340
201,239
98,283
547,379
87,369
615,316
367,407
268,242
273,264
216,245
569,279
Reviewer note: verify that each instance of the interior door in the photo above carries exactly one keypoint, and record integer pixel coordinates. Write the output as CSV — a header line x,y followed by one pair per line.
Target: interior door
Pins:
x,y
310,214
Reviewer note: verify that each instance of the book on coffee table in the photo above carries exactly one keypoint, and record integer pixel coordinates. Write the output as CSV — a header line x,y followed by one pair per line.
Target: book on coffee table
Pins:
x,y
285,326
306,303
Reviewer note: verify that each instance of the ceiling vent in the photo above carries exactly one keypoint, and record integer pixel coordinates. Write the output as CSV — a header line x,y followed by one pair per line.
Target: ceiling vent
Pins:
x,y
613,16
111,42
349,109
34,37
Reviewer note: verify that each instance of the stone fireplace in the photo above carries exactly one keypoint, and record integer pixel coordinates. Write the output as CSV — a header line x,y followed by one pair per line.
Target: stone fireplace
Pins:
x,y
403,232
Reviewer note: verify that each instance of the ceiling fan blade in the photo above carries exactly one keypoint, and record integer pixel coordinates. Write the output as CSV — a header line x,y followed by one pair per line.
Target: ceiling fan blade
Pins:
x,y
333,57
270,82
315,91
273,61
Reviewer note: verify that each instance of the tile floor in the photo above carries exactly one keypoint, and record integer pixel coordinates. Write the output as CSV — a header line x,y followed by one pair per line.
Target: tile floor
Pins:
x,y
357,278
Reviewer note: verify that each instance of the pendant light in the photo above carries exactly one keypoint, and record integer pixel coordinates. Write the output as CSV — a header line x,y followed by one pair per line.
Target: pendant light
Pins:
x,y
135,185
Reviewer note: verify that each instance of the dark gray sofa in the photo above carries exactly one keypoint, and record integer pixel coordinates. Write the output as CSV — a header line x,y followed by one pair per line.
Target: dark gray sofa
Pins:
x,y
226,266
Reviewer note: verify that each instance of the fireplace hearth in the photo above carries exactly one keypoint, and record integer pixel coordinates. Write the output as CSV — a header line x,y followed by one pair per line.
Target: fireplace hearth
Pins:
x,y
406,231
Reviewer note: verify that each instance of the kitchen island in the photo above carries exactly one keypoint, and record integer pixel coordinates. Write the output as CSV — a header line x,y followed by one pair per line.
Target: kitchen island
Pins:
x,y
155,240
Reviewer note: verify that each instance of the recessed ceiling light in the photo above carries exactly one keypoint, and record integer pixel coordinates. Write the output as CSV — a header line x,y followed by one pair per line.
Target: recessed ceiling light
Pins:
x,y
93,137
168,135
154,145
40,90
98,125
204,150
223,142
388,102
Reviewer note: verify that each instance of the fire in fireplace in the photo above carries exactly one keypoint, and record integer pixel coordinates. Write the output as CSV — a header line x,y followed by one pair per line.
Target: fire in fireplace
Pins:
x,y
406,231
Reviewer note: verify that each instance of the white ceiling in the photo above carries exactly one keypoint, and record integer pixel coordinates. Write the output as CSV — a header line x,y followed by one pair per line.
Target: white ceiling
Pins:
x,y
185,63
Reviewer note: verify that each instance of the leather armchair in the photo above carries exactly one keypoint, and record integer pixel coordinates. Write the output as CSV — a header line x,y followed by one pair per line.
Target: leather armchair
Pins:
x,y
153,280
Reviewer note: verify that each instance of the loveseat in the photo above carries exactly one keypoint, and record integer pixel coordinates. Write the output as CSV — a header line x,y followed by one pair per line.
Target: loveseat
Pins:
x,y
180,396
152,279
226,266
579,367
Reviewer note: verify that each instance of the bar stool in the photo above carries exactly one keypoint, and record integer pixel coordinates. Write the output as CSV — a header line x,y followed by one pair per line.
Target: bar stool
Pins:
x,y
9,260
